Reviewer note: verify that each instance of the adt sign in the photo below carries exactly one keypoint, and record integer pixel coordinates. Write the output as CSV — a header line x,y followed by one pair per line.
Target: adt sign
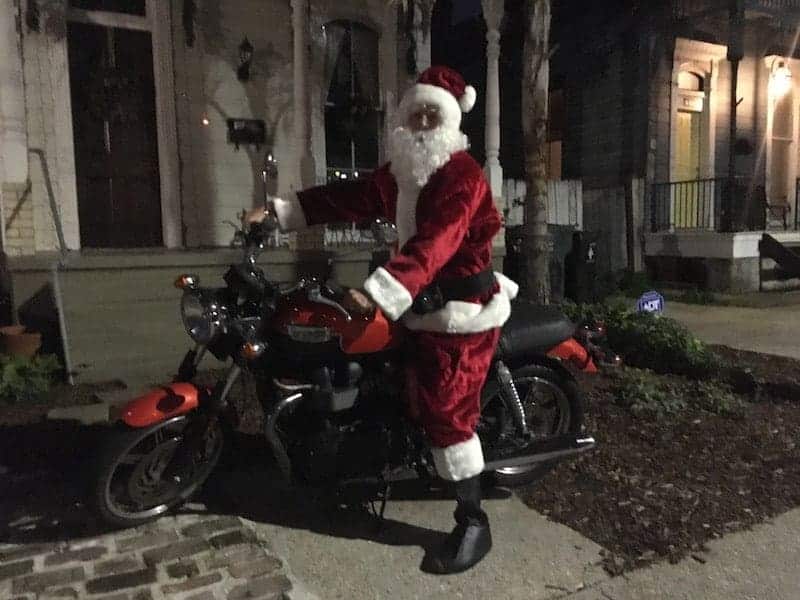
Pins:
x,y
650,302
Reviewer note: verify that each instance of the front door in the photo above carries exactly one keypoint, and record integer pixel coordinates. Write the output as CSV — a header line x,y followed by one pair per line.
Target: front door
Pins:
x,y
687,170
114,124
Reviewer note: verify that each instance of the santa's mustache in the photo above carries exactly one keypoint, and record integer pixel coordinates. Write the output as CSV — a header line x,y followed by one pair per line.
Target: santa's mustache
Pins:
x,y
416,155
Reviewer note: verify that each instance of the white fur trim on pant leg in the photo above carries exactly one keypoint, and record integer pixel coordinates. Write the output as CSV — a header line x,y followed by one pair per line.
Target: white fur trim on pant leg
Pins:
x,y
391,295
290,214
459,461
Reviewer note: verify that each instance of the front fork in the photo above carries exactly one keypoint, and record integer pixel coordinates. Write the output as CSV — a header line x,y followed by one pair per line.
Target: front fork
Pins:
x,y
510,396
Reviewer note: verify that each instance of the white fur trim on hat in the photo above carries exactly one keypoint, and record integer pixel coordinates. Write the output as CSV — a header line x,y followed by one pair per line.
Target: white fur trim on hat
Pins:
x,y
467,101
391,295
422,93
459,461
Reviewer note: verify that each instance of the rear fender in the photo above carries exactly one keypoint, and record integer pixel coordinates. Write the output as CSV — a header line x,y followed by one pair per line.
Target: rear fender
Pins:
x,y
573,351
168,401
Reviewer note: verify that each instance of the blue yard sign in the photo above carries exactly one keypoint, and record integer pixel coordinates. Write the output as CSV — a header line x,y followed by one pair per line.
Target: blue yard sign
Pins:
x,y
650,302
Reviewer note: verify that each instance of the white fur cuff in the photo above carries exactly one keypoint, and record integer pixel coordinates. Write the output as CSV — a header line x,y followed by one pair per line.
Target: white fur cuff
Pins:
x,y
290,214
459,461
391,295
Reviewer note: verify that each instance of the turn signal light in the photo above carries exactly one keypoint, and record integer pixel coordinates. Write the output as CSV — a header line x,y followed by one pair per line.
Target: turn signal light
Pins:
x,y
186,282
252,350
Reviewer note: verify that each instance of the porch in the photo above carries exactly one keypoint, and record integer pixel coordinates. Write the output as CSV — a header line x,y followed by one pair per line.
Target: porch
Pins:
x,y
708,233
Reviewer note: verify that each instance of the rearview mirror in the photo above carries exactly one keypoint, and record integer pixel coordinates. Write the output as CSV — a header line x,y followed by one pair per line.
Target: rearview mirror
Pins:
x,y
384,232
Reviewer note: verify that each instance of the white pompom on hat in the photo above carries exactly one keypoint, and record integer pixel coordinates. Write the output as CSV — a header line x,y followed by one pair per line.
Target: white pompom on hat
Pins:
x,y
443,87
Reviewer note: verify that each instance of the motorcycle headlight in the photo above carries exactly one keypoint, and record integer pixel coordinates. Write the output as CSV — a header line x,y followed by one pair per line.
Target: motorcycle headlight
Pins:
x,y
203,316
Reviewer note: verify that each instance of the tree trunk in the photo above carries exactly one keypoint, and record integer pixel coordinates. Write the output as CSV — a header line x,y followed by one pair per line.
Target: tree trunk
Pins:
x,y
537,245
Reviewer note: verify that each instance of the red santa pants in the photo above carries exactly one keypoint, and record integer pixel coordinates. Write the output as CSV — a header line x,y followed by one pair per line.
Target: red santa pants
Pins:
x,y
446,373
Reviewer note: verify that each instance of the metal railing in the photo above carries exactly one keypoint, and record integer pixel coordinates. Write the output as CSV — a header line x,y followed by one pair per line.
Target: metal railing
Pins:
x,y
774,5
717,204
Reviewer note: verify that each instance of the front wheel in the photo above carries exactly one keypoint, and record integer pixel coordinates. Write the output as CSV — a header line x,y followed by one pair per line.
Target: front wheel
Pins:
x,y
553,405
143,473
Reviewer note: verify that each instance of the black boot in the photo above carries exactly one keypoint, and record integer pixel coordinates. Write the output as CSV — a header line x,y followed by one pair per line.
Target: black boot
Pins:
x,y
471,539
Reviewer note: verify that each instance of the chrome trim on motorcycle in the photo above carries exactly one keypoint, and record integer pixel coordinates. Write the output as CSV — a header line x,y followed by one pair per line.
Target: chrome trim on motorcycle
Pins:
x,y
272,435
552,449
509,392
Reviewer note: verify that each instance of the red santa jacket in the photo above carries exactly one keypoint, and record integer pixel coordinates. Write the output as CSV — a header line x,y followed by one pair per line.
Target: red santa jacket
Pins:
x,y
449,236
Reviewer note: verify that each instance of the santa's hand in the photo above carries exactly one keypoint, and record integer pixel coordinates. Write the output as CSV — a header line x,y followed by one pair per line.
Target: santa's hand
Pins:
x,y
255,215
356,301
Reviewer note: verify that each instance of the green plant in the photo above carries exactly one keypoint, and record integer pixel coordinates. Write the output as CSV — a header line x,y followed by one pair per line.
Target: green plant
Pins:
x,y
695,296
24,379
646,394
648,340
632,283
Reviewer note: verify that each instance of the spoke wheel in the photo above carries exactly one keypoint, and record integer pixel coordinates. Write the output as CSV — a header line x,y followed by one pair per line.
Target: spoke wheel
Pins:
x,y
553,406
143,473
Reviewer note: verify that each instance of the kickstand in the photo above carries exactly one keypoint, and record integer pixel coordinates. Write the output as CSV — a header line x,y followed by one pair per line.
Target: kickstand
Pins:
x,y
383,496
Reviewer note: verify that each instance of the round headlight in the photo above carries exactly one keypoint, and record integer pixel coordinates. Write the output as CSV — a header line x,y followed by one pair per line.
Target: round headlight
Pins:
x,y
201,317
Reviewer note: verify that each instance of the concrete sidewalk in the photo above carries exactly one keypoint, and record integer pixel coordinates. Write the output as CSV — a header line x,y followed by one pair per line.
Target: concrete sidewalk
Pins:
x,y
760,564
774,330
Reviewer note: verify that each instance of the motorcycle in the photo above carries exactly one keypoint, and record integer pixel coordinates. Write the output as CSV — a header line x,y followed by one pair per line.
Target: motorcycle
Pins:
x,y
331,387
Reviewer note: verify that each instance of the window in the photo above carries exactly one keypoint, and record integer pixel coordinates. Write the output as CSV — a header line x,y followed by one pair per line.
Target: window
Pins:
x,y
130,7
353,116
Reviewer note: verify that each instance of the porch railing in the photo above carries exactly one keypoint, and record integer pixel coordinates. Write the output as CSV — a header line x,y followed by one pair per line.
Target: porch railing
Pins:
x,y
716,204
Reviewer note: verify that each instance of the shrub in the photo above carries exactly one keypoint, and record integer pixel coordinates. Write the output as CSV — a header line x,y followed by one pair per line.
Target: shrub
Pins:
x,y
646,394
25,379
648,340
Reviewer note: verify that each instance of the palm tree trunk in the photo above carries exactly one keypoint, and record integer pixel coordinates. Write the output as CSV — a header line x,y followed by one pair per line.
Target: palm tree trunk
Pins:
x,y
537,245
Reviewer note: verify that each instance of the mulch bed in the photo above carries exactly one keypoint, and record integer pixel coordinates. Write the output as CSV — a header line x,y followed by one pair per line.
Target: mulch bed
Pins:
x,y
60,395
662,489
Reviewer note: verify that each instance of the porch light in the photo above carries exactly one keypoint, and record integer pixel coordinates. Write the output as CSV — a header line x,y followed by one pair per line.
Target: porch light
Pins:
x,y
781,81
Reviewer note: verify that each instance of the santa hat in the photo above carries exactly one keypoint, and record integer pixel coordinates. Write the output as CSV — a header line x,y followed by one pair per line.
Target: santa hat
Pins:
x,y
443,87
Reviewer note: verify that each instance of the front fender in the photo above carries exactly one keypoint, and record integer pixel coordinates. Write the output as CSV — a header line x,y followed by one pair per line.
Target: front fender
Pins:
x,y
168,401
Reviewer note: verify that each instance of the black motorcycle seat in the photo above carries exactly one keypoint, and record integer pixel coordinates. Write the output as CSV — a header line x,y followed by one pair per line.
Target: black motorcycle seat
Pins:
x,y
533,328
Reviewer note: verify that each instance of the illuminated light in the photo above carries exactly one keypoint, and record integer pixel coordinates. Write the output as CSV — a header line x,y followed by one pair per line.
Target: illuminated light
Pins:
x,y
344,175
252,350
205,121
780,83
355,174
186,282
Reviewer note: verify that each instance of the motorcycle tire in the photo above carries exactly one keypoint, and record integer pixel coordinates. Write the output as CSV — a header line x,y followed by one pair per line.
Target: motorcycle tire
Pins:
x,y
118,447
570,404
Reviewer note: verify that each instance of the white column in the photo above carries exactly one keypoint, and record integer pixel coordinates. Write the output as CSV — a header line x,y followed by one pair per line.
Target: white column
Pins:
x,y
493,14
13,130
422,32
302,104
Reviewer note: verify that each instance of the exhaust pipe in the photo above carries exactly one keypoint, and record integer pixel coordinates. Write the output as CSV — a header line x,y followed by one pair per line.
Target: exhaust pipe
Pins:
x,y
541,451
278,449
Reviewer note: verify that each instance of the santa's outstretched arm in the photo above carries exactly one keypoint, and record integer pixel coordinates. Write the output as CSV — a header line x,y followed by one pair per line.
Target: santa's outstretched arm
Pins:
x,y
337,202
442,224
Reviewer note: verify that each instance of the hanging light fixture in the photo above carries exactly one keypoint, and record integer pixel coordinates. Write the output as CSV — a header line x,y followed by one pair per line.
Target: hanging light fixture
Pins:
x,y
780,82
245,58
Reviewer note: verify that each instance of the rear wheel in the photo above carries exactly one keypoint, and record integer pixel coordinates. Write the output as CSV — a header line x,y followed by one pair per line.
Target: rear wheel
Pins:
x,y
143,473
553,405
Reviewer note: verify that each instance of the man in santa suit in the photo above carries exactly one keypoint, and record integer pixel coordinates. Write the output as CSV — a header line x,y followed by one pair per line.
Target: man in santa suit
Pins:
x,y
442,205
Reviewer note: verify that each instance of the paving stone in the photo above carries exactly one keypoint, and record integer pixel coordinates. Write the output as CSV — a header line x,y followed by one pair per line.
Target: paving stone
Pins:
x,y
183,569
206,528
191,584
158,538
17,552
264,587
255,568
234,554
207,595
141,595
40,581
15,569
84,554
137,595
176,550
241,536
59,594
115,566
112,583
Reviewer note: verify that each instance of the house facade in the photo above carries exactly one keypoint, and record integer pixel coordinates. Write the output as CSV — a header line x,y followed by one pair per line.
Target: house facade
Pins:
x,y
647,96
131,131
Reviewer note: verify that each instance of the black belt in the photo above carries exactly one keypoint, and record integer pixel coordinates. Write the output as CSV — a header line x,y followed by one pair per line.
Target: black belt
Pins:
x,y
440,292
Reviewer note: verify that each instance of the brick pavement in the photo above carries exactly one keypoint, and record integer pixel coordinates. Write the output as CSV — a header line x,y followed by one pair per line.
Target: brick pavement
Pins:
x,y
183,557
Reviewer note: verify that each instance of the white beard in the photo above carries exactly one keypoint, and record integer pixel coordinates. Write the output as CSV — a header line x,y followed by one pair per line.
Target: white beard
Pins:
x,y
414,158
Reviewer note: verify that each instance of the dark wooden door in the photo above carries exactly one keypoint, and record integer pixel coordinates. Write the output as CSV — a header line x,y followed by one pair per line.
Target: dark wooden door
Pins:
x,y
114,124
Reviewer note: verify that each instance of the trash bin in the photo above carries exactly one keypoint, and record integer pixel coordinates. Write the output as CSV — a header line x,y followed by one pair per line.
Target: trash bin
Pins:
x,y
580,269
